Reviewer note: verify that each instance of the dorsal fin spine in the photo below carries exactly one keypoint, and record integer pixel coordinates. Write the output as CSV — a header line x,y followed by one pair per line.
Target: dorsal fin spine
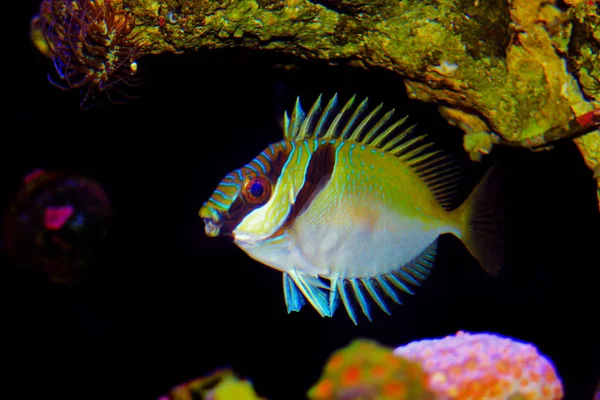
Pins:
x,y
355,137
401,148
423,157
286,125
333,129
374,131
297,118
432,176
381,138
332,103
434,165
305,129
397,141
444,184
411,154
359,110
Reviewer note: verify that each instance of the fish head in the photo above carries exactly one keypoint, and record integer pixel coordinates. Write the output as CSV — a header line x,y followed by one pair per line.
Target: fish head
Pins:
x,y
247,205
233,200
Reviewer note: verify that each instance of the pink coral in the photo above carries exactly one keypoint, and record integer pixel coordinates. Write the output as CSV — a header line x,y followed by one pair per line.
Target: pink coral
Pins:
x,y
474,366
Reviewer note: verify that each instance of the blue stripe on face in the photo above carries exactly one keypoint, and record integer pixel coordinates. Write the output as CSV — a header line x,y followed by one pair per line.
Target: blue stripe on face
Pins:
x,y
249,166
260,163
223,195
229,184
218,203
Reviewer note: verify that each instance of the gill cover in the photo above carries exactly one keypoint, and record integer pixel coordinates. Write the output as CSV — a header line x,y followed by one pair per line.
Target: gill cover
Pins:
x,y
263,222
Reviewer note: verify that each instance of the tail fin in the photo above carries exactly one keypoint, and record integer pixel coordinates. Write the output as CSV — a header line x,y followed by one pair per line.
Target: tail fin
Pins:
x,y
482,221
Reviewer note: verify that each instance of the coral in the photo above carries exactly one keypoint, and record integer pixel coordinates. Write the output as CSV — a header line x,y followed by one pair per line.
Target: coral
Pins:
x,y
484,366
463,366
366,370
501,69
91,43
220,385
58,224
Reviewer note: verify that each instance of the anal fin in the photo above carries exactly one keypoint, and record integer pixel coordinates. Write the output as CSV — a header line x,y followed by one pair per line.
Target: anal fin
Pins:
x,y
415,272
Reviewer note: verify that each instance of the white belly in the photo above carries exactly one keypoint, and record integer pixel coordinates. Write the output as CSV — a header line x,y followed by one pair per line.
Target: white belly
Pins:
x,y
376,242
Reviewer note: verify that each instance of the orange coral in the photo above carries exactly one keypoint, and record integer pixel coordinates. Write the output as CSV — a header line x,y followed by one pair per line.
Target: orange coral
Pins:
x,y
366,370
475,366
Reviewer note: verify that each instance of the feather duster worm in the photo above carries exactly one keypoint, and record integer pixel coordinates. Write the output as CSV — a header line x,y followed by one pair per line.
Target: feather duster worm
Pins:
x,y
92,44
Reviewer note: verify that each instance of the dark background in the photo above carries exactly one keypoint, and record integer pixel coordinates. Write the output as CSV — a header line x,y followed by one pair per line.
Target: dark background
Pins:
x,y
173,304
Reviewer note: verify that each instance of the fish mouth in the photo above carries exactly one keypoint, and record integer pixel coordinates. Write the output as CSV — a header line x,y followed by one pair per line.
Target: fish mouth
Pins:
x,y
213,221
245,240
212,227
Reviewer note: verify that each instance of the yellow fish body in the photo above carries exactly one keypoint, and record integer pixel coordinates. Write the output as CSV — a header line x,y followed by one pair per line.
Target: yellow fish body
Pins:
x,y
347,198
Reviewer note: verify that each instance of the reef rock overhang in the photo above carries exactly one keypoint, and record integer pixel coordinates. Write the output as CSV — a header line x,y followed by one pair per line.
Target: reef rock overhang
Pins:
x,y
501,70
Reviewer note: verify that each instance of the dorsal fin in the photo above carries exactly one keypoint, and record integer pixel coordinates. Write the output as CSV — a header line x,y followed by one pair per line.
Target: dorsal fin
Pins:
x,y
440,172
292,127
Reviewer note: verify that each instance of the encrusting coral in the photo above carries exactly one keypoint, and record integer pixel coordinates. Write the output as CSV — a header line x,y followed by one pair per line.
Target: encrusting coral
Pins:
x,y
484,366
462,366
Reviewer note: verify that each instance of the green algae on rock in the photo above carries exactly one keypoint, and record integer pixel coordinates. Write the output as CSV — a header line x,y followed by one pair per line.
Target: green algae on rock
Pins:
x,y
500,70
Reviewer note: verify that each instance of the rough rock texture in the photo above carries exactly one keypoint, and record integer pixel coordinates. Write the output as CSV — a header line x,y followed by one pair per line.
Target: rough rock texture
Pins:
x,y
507,70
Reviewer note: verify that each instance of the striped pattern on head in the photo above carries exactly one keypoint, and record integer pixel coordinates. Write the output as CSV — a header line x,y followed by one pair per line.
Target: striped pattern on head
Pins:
x,y
227,206
309,163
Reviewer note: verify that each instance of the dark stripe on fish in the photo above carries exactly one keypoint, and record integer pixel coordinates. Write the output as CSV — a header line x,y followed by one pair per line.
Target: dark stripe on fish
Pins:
x,y
318,173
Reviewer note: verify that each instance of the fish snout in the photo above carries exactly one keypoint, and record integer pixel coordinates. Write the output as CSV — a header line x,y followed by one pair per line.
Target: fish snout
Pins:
x,y
213,221
211,228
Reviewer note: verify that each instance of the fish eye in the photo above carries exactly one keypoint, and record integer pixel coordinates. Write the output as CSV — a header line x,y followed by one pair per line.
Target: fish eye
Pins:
x,y
257,190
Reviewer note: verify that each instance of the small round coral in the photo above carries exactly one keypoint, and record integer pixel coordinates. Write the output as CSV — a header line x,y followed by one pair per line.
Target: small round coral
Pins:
x,y
476,366
367,370
221,384
91,42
